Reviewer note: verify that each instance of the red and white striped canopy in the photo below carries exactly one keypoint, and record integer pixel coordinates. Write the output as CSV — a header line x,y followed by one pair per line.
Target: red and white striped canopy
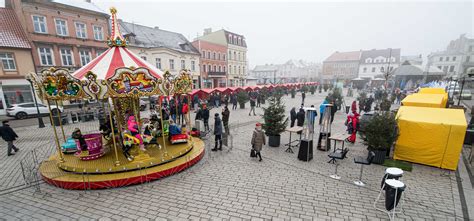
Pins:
x,y
104,65
117,56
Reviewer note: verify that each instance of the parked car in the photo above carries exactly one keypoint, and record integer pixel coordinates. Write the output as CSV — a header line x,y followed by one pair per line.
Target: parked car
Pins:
x,y
24,110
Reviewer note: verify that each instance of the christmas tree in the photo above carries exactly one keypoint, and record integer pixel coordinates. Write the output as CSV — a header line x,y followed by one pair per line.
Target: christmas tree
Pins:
x,y
274,116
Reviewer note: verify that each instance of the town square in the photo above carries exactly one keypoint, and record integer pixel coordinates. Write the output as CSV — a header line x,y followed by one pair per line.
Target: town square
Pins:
x,y
106,118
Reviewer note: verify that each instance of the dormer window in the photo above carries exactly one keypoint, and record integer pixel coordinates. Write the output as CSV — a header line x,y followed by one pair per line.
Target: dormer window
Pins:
x,y
230,39
235,40
368,60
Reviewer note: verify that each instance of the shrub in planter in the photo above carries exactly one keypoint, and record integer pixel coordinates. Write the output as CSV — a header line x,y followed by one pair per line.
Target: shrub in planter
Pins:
x,y
275,120
305,89
293,93
381,133
361,99
312,89
242,98
320,88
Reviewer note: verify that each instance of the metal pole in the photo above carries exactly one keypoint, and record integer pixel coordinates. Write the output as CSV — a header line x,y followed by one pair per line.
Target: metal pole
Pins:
x,y
117,162
61,159
40,119
60,120
162,127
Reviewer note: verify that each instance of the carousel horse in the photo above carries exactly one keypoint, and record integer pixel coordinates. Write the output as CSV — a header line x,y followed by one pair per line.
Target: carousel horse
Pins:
x,y
128,142
132,126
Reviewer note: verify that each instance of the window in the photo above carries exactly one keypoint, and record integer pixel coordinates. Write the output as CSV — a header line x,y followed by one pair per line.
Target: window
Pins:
x,y
240,41
223,57
171,64
440,67
235,55
239,70
85,56
215,68
39,24
8,61
223,68
81,30
365,70
447,58
451,68
203,54
445,69
204,68
220,69
66,57
46,56
98,33
454,58
468,58
218,56
183,64
209,68
158,63
239,57
235,69
235,41
61,27
373,70
382,69
230,55
470,48
208,55
230,39
193,65
230,69
214,55
440,58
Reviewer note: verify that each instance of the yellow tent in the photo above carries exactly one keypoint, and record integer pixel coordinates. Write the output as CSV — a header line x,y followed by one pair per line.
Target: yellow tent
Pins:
x,y
430,136
424,100
436,91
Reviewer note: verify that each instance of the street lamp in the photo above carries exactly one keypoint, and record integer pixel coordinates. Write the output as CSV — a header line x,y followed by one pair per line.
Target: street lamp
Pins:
x,y
40,119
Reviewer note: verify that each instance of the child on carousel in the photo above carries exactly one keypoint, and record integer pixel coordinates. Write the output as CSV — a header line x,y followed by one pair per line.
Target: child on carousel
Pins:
x,y
77,135
132,126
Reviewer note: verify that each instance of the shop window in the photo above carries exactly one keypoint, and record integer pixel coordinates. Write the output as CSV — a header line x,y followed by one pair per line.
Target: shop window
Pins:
x,y
16,94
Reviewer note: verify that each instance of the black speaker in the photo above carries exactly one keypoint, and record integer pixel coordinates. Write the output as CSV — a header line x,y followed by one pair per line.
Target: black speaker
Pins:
x,y
306,150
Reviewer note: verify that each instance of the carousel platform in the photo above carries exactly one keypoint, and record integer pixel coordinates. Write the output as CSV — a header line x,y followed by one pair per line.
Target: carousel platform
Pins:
x,y
102,173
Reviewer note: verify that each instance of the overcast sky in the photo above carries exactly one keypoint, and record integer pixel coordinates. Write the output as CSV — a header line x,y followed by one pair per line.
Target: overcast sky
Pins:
x,y
279,31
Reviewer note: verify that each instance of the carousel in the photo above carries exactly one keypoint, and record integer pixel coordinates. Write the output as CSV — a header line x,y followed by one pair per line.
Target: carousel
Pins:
x,y
127,148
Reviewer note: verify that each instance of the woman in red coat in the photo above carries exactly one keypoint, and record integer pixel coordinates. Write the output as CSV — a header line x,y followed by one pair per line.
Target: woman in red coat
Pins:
x,y
352,121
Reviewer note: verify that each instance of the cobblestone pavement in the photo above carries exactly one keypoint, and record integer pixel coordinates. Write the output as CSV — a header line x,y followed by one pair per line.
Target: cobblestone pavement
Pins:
x,y
231,185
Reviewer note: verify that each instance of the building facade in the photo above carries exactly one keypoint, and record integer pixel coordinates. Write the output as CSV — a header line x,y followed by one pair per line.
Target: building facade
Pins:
x,y
169,51
377,62
412,59
292,71
457,59
64,34
16,61
213,63
341,66
236,54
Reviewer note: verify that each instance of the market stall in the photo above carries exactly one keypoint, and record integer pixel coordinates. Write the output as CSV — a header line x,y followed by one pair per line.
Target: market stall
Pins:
x,y
425,100
441,91
430,136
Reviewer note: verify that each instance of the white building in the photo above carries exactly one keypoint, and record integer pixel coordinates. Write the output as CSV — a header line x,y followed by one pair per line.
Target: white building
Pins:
x,y
458,58
375,63
291,71
169,51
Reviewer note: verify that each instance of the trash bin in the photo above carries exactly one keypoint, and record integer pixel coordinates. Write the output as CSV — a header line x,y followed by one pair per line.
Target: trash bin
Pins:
x,y
56,120
394,189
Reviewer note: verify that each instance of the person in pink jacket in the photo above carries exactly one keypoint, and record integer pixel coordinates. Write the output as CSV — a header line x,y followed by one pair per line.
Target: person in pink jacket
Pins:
x,y
132,126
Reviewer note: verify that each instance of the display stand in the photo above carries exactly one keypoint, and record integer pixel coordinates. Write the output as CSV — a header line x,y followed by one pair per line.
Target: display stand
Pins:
x,y
325,129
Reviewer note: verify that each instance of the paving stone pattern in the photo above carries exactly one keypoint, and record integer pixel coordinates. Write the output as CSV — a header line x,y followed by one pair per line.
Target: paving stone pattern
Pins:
x,y
229,185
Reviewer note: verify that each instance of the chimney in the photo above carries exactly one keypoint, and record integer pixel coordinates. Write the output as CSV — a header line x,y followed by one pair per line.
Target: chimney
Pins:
x,y
88,1
207,31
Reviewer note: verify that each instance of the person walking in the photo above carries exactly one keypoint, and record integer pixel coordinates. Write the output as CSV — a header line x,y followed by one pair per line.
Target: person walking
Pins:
x,y
225,119
322,107
258,140
233,100
185,111
259,99
180,112
8,135
352,122
252,106
217,132
303,96
293,116
205,117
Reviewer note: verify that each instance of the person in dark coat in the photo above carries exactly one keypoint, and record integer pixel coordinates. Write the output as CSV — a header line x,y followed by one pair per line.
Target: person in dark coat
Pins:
x,y
293,116
180,113
258,140
333,111
300,118
225,118
217,132
233,100
8,135
303,96
252,106
259,99
368,104
205,117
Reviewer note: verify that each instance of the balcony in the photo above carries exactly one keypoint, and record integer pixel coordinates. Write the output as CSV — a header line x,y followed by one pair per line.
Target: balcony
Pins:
x,y
216,74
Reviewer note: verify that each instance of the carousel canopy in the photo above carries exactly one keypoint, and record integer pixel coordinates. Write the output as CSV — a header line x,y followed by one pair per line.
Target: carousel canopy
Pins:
x,y
117,56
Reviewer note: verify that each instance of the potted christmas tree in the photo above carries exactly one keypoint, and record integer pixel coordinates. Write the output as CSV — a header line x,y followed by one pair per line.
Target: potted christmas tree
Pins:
x,y
293,93
275,120
312,89
320,88
381,133
242,98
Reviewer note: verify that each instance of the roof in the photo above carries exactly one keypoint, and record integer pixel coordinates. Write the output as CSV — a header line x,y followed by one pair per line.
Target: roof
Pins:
x,y
244,43
149,37
344,56
82,4
416,70
395,52
12,34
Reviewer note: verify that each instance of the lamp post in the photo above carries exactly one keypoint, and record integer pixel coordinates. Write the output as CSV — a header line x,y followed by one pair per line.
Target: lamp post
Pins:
x,y
40,119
